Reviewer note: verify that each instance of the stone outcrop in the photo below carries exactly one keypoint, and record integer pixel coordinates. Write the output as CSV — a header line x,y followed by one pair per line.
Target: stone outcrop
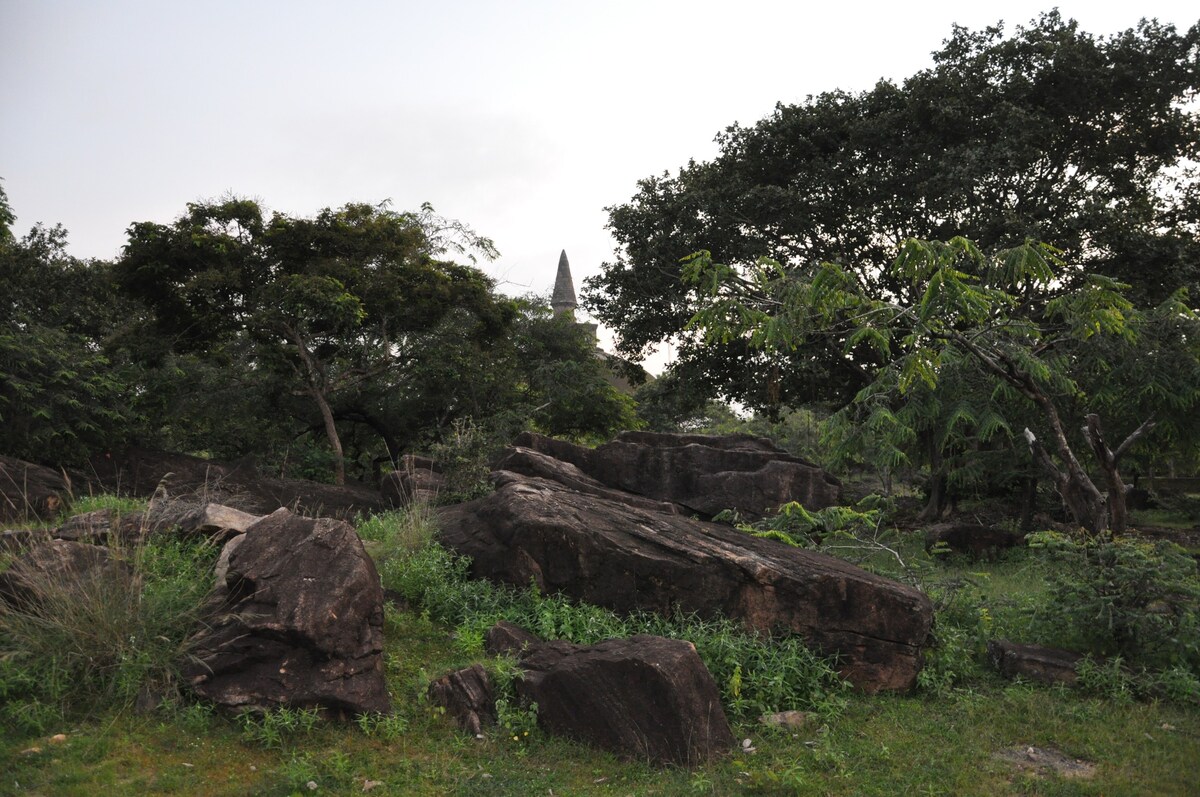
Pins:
x,y
625,558
644,697
298,622
214,522
702,474
31,491
142,472
468,696
974,540
416,479
1034,662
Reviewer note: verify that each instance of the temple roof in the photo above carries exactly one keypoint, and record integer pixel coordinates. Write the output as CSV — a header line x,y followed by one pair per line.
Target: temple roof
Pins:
x,y
563,298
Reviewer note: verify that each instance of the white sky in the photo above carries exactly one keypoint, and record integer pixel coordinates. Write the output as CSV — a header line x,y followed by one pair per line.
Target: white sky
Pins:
x,y
522,118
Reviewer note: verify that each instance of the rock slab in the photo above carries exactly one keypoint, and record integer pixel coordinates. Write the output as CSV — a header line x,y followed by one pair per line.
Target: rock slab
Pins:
x,y
703,474
416,479
42,578
298,622
1035,662
625,558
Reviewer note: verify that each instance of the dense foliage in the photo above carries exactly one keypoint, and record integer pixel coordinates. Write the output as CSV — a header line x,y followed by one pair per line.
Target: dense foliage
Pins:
x,y
314,345
1049,133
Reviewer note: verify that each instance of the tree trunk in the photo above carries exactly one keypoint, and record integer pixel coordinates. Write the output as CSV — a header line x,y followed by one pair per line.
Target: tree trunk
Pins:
x,y
937,482
314,375
1108,460
1084,501
1029,485
331,432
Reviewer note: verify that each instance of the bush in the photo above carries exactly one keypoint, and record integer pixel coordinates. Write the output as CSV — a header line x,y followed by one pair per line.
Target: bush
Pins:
x,y
97,641
755,673
1136,599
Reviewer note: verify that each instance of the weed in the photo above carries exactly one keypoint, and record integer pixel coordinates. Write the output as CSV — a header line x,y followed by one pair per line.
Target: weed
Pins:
x,y
401,530
773,673
273,729
387,727
82,641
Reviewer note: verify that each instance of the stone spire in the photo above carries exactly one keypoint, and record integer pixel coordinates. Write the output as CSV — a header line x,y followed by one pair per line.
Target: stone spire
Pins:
x,y
563,299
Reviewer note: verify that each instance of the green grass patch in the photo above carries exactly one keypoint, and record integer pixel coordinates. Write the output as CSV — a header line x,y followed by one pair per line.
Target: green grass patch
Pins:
x,y
882,745
946,739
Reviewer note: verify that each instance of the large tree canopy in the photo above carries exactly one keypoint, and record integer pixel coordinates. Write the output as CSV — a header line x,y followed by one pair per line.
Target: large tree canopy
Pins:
x,y
1051,134
331,304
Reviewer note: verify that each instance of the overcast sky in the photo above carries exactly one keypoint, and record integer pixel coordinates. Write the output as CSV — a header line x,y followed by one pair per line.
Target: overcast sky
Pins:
x,y
523,119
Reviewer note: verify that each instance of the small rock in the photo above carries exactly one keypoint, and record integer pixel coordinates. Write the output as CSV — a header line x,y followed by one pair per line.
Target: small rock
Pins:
x,y
788,719
371,784
31,751
189,766
1166,726
58,738
312,785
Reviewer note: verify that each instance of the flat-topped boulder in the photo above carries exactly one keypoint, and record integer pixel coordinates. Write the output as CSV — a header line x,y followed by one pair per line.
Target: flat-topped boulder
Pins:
x,y
627,558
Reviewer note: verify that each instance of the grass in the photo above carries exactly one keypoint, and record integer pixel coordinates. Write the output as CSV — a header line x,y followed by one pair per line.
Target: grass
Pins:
x,y
878,745
87,644
943,740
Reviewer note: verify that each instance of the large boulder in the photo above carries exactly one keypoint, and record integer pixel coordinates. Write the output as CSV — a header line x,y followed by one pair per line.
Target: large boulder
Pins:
x,y
704,474
972,539
299,622
31,491
644,697
625,558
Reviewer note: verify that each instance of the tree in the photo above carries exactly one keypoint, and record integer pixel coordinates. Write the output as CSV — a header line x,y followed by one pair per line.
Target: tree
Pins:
x,y
1049,134
334,303
1004,314
60,396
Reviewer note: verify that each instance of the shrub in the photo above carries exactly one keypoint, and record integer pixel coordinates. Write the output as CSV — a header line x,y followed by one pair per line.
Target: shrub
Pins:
x,y
1132,598
755,673
96,641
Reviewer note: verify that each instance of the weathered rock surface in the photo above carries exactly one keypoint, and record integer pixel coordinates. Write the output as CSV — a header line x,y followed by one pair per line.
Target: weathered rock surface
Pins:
x,y
508,639
625,558
14,540
525,462
214,522
40,576
31,491
103,526
703,474
140,472
300,623
468,696
1037,663
645,697
974,540
416,479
